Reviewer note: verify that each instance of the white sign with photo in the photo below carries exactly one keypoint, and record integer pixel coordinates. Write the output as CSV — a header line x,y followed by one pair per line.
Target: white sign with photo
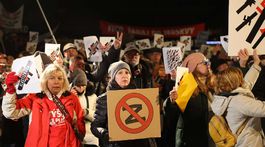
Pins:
x,y
168,44
158,40
29,79
143,44
92,51
79,43
52,50
31,47
33,36
105,41
187,41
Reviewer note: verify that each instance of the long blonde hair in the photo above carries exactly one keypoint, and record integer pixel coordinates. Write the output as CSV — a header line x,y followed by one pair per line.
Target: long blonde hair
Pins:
x,y
49,70
228,80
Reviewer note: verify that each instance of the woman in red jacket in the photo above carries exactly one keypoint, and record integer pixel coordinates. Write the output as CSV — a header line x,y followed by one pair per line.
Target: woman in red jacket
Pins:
x,y
48,126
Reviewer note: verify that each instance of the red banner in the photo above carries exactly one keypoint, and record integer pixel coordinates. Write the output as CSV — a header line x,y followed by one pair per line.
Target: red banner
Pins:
x,y
110,29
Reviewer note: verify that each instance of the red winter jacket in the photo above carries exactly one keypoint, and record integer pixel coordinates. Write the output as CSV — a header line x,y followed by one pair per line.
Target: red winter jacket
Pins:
x,y
48,126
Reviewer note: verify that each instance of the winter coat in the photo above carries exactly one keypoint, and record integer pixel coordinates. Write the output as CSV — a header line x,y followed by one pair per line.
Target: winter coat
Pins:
x,y
48,126
88,104
99,127
195,118
241,106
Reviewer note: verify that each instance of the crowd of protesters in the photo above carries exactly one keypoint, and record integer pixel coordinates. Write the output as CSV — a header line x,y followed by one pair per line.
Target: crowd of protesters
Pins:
x,y
76,81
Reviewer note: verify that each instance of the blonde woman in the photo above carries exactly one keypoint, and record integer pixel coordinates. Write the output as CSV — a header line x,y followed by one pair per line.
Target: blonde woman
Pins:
x,y
235,99
48,126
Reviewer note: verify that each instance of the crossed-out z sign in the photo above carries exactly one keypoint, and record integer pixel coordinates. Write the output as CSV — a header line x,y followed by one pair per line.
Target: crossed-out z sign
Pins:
x,y
133,114
246,26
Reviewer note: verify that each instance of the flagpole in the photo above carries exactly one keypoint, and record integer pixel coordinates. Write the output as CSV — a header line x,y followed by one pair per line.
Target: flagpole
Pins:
x,y
47,23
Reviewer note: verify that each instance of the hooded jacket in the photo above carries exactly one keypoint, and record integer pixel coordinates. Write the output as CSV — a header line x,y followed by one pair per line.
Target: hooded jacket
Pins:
x,y
240,107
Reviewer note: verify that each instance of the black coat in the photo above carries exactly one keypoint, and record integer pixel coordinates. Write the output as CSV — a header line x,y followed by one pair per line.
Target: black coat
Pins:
x,y
101,121
195,119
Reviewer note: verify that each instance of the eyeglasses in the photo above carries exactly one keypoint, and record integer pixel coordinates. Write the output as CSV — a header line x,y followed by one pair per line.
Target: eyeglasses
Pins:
x,y
205,62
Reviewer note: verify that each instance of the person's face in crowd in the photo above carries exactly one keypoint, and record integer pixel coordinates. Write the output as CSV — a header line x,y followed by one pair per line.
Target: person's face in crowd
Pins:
x,y
70,53
55,82
132,57
203,68
3,65
80,64
123,78
80,89
222,67
10,60
155,57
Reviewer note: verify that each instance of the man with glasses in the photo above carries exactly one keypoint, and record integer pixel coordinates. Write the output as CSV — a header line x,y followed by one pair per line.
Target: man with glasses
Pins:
x,y
141,72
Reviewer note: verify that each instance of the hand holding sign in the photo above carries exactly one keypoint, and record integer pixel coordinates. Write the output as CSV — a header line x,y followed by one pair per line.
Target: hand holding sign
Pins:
x,y
186,88
243,57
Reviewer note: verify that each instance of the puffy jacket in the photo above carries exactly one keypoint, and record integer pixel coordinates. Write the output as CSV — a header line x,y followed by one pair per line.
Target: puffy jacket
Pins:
x,y
99,127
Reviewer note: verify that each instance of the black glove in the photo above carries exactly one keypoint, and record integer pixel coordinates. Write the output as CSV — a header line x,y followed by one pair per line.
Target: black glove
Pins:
x,y
105,136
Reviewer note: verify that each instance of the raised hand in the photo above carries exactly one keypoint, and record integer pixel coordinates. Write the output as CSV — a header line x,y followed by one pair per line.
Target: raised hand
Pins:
x,y
73,91
173,95
118,40
11,79
243,57
256,57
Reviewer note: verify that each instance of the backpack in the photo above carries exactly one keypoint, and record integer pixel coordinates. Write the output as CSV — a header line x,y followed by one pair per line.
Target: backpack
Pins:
x,y
220,132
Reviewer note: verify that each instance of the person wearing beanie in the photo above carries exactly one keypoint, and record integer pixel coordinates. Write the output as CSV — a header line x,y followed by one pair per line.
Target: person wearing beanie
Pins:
x,y
195,116
192,60
78,86
115,67
120,79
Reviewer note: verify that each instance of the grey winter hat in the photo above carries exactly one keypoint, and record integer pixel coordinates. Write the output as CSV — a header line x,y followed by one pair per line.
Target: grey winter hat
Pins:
x,y
116,66
78,78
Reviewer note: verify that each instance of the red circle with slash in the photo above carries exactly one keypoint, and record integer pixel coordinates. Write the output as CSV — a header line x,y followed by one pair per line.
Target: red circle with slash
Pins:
x,y
145,123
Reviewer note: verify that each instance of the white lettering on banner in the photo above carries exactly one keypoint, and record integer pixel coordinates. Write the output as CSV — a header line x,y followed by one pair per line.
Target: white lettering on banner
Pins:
x,y
57,118
156,32
138,31
114,28
184,31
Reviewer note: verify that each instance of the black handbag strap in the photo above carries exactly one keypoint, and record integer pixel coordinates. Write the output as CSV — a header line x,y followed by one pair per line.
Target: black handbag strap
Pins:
x,y
67,116
61,107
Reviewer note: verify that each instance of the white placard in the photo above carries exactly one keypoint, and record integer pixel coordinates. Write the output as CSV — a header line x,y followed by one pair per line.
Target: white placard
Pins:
x,y
172,58
179,74
143,44
158,40
224,42
91,47
246,26
29,79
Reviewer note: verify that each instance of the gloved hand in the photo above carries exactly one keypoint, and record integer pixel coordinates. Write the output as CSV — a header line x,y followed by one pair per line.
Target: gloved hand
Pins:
x,y
105,136
11,79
